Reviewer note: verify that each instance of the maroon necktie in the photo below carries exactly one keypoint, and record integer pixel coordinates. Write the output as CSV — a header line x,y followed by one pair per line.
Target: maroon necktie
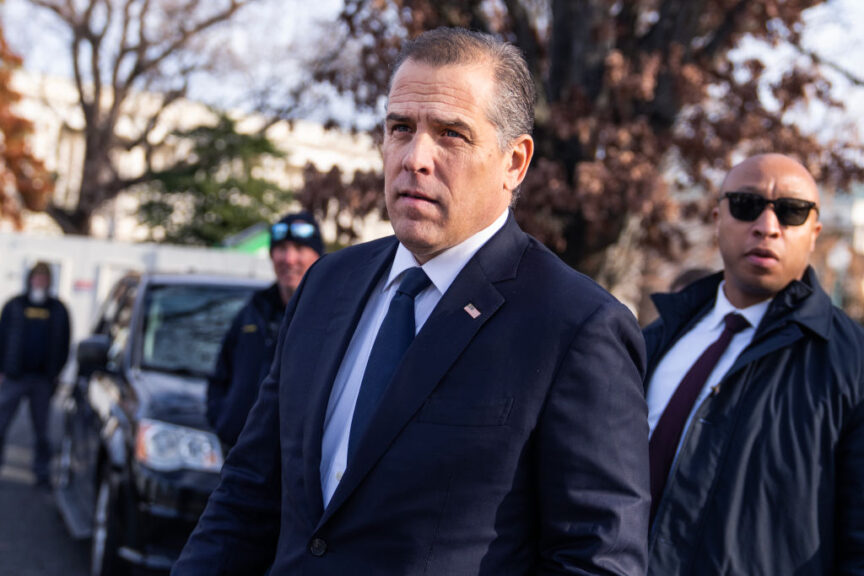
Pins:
x,y
667,434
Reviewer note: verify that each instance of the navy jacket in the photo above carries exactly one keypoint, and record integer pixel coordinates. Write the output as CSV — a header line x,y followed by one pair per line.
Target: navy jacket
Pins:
x,y
16,314
243,362
507,444
769,479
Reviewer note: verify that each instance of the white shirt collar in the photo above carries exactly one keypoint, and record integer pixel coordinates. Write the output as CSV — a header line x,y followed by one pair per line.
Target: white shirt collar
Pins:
x,y
443,268
722,307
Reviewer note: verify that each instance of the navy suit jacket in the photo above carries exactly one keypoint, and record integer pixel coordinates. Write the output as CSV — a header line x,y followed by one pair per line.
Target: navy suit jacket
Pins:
x,y
511,443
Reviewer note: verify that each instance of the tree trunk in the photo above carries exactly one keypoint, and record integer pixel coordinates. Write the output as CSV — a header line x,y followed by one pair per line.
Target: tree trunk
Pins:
x,y
72,222
577,49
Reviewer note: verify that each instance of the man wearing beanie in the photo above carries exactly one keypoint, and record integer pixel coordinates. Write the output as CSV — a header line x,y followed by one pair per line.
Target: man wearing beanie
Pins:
x,y
249,346
34,347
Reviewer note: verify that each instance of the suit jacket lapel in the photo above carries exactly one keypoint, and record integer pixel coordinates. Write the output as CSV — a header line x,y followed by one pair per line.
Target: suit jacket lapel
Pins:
x,y
443,338
345,311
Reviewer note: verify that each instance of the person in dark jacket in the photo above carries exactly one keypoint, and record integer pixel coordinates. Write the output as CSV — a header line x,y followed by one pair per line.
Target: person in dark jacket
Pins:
x,y
757,446
249,346
452,400
34,347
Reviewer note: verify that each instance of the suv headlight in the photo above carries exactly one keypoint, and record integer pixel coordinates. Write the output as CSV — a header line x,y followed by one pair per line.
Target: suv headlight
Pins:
x,y
167,447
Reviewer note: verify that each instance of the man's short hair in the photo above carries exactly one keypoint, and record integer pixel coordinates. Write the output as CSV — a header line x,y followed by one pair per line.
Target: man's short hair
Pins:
x,y
512,111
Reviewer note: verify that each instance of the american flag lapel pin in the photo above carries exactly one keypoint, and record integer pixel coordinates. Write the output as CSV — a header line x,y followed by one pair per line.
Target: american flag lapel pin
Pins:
x,y
472,310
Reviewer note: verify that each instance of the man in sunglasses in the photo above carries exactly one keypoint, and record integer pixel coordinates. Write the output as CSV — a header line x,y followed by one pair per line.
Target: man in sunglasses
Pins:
x,y
755,393
249,345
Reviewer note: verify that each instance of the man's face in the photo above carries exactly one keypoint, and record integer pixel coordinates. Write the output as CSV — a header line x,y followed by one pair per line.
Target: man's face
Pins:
x,y
763,256
445,177
290,263
39,281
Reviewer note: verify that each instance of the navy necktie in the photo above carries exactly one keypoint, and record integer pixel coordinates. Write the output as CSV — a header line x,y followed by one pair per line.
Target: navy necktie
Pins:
x,y
664,441
394,336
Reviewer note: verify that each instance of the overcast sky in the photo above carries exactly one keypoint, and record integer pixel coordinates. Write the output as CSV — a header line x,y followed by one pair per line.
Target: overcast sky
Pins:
x,y
276,33
271,36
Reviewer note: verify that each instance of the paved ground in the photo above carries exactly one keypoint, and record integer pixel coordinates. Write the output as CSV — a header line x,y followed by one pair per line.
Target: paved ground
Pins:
x,y
33,539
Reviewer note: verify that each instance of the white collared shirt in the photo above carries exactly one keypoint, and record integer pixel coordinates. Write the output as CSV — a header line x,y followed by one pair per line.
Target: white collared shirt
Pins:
x,y
678,360
442,271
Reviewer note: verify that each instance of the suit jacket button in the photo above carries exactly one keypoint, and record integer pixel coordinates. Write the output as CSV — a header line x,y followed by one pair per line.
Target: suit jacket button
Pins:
x,y
317,547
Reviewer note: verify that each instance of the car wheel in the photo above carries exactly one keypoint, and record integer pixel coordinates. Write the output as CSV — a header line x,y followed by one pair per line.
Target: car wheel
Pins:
x,y
105,542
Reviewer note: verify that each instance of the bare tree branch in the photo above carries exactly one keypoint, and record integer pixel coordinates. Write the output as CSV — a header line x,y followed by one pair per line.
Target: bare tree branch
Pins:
x,y
722,37
820,61
185,34
66,12
143,140
117,47
124,48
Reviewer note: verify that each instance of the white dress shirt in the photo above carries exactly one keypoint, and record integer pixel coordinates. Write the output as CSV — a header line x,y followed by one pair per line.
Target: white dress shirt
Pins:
x,y
684,353
442,271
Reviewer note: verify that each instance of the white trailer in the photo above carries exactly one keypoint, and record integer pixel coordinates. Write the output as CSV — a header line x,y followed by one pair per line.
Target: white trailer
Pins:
x,y
86,268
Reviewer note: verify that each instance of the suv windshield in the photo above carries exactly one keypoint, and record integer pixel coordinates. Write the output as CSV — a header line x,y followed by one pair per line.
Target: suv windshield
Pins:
x,y
184,326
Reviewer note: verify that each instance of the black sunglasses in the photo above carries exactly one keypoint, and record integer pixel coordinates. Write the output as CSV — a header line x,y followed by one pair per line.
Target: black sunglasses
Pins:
x,y
297,229
747,207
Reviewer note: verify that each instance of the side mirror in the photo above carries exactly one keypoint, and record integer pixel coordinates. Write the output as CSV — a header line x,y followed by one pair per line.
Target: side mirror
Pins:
x,y
93,354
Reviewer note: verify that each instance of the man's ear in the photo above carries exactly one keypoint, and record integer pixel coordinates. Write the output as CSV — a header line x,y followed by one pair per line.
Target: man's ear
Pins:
x,y
521,152
817,228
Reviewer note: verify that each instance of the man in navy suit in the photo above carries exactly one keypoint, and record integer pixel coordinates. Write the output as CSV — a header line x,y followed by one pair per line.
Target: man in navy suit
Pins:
x,y
511,436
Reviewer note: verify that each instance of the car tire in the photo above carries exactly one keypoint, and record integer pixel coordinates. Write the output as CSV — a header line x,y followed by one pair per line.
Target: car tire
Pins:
x,y
105,541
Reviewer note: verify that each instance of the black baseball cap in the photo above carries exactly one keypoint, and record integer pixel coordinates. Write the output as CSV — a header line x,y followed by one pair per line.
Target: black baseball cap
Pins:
x,y
300,228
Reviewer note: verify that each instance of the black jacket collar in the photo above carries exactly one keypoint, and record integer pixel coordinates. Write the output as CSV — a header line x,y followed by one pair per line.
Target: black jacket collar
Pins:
x,y
802,302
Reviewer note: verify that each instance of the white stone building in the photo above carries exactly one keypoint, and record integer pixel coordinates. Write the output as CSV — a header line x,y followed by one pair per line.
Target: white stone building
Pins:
x,y
51,103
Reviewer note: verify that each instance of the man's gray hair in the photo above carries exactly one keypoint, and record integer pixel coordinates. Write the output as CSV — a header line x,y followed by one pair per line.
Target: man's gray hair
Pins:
x,y
512,111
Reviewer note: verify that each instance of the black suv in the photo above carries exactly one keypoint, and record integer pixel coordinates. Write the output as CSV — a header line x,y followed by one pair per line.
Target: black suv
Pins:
x,y
137,457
